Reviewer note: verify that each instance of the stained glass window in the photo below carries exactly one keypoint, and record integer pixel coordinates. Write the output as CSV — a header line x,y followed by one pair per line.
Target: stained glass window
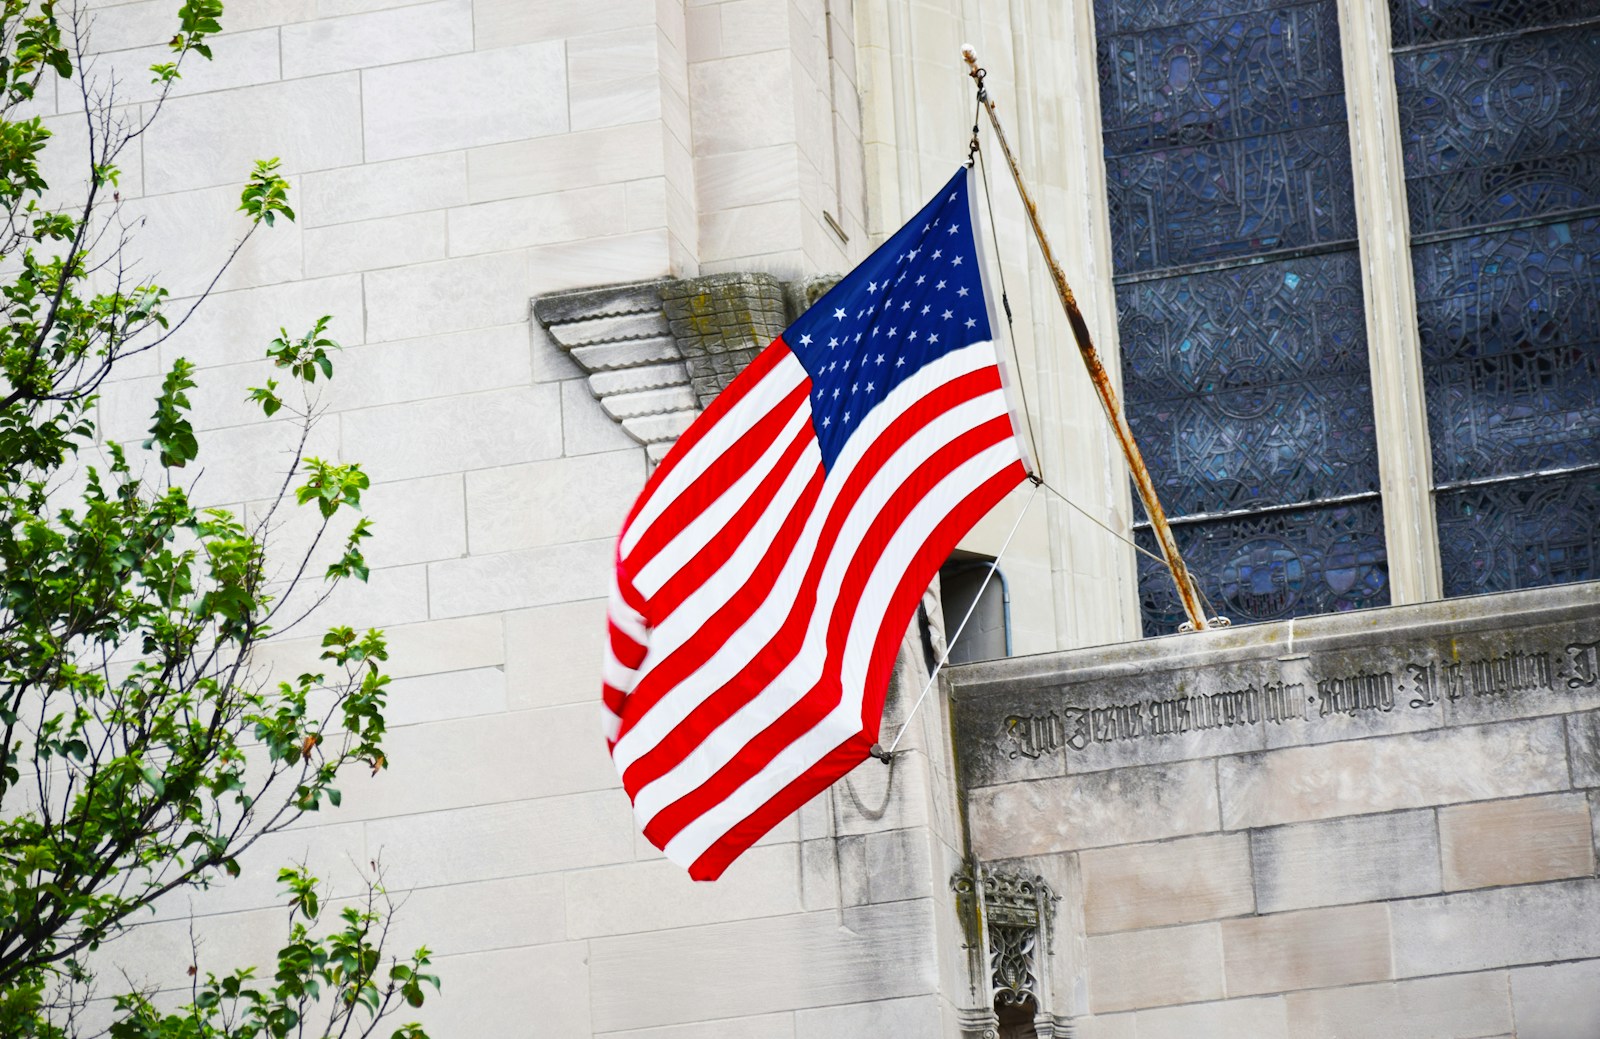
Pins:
x,y
1500,124
1239,303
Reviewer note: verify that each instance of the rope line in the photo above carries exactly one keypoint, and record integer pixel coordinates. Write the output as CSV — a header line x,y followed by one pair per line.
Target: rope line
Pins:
x,y
1211,607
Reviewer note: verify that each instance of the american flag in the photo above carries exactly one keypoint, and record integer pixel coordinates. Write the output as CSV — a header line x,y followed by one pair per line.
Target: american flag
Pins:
x,y
773,563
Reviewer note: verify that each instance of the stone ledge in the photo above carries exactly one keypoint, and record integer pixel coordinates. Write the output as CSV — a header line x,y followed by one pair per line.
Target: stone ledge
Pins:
x,y
1417,671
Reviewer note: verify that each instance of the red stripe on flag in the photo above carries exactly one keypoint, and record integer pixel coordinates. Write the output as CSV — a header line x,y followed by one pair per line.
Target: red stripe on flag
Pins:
x,y
726,541
941,542
758,368
786,642
628,652
667,676
822,698
713,635
717,477
845,757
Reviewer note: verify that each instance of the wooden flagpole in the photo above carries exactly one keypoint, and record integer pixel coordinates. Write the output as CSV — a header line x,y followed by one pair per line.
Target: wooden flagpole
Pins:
x,y
1097,372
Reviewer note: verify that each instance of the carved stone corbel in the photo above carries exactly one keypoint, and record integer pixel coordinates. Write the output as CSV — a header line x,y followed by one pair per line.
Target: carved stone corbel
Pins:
x,y
657,352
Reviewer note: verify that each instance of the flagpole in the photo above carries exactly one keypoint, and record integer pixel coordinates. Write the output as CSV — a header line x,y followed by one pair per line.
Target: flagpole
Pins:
x,y
1097,372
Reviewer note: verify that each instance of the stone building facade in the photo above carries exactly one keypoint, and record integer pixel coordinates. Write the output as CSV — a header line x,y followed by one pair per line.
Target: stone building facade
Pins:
x,y
546,232
1321,827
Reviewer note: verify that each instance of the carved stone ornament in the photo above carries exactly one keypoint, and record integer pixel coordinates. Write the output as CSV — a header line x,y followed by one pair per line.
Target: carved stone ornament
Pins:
x,y
657,352
1013,916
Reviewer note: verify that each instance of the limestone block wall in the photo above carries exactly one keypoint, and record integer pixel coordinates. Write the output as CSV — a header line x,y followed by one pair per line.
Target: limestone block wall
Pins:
x,y
450,161
1377,824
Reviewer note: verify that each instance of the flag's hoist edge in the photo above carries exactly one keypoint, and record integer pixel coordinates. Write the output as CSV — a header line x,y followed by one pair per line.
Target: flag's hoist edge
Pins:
x,y
769,570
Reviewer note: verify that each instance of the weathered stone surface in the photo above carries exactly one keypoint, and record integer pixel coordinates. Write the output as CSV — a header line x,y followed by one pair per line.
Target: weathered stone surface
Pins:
x,y
1557,1002
380,38
500,427
740,103
1594,814
806,960
1093,810
414,649
382,189
1097,725
1256,1018
658,429
1583,748
335,853
721,322
447,695
526,506
1520,674
666,401
609,329
491,914
407,302
463,101
1104,1026
1428,1008
551,653
1358,859
518,580
312,124
617,155
535,754
503,22
898,865
586,429
392,595
1154,968
1175,882
481,1003
1427,768
912,1015
180,227
657,895
614,78
563,216
1312,948
586,304
637,378
544,835
626,354
1499,927
1516,842
423,520
434,366
873,796
766,1026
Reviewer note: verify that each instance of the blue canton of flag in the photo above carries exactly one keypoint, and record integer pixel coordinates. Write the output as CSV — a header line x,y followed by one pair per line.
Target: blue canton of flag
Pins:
x,y
918,297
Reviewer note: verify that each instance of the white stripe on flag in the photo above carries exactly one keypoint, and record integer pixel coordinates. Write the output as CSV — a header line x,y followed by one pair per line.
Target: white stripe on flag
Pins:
x,y
683,624
805,666
845,719
754,406
687,543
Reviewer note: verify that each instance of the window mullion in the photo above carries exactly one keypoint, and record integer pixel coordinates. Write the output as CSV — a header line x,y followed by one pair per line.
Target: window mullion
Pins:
x,y
1399,409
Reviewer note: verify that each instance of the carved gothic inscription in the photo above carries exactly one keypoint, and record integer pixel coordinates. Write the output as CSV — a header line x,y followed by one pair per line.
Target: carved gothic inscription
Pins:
x,y
1306,695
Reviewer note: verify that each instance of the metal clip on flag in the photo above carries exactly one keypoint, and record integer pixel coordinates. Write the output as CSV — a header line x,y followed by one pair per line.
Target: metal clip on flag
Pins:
x,y
769,570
